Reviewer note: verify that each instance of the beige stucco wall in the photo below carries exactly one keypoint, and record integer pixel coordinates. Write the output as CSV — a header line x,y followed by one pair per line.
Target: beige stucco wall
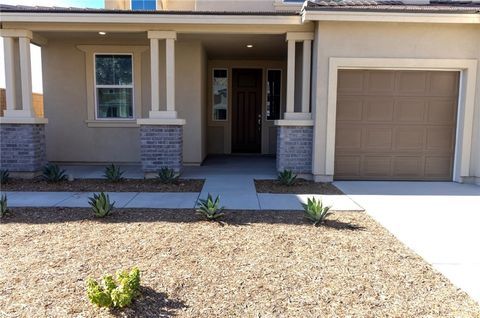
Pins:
x,y
69,139
202,5
388,40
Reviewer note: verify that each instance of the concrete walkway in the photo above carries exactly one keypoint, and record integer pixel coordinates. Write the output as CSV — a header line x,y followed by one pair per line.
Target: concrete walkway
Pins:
x,y
438,220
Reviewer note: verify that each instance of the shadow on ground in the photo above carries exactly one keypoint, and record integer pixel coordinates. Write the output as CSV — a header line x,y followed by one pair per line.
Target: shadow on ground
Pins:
x,y
232,217
151,304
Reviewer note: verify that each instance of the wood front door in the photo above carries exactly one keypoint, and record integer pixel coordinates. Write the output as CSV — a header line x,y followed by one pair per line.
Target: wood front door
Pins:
x,y
247,111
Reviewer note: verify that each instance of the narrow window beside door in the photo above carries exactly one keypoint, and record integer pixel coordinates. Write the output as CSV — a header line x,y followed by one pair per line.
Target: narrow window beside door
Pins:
x,y
114,86
220,94
274,80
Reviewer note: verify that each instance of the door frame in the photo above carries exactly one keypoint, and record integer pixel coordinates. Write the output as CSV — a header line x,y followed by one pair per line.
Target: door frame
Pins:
x,y
261,72
465,106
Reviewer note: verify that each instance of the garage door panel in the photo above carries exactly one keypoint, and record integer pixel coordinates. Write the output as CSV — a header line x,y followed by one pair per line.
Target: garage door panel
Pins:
x,y
349,108
378,109
401,126
377,139
410,110
408,138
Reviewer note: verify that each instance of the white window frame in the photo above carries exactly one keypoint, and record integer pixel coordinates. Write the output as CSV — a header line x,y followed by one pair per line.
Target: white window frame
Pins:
x,y
132,86
281,95
228,93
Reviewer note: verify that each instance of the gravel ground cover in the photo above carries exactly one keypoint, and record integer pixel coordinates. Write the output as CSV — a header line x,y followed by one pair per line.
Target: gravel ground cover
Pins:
x,y
255,264
301,186
97,185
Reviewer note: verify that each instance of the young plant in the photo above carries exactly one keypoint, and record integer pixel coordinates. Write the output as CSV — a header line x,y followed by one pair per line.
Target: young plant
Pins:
x,y
4,176
113,173
167,175
210,209
100,204
3,206
287,177
53,173
315,211
117,292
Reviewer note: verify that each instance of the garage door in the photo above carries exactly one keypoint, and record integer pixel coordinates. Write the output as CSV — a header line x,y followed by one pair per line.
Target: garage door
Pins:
x,y
395,125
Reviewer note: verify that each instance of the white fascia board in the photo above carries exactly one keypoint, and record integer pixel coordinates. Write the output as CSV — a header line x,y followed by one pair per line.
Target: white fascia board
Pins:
x,y
154,18
397,17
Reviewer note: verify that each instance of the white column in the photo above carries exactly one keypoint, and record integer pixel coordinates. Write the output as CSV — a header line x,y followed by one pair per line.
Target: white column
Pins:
x,y
11,98
291,77
26,76
155,75
170,74
307,52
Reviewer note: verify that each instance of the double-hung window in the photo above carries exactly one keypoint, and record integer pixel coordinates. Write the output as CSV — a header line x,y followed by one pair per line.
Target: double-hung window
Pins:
x,y
114,86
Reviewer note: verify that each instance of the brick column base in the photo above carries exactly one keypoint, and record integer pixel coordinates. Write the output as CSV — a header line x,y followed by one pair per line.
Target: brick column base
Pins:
x,y
294,149
22,149
161,146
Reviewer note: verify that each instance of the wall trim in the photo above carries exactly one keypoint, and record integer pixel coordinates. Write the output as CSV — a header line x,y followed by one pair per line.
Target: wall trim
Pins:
x,y
466,101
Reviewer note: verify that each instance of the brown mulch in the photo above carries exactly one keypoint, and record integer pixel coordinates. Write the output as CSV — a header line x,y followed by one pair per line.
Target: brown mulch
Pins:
x,y
301,186
258,264
98,185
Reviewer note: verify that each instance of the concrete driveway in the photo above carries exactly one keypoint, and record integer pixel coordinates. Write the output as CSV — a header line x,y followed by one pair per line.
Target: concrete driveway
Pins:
x,y
440,221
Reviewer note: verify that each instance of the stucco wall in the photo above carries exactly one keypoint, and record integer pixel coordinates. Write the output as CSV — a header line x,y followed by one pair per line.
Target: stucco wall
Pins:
x,y
387,40
235,5
68,137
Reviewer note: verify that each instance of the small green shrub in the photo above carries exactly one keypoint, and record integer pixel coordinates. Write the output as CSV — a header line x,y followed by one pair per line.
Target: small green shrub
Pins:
x,y
113,173
287,177
117,292
53,173
167,175
4,176
210,209
101,205
3,206
315,211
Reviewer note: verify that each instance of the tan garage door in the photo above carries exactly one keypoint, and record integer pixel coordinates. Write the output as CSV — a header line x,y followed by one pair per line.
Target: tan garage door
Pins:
x,y
395,125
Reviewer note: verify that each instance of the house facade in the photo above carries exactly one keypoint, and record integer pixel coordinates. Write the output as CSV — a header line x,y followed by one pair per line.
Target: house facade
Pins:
x,y
355,90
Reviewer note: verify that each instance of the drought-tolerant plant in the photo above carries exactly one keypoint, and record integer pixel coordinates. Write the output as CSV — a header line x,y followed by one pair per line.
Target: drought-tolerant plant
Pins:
x,y
117,292
53,173
167,175
287,177
315,211
210,209
101,205
3,206
113,173
4,176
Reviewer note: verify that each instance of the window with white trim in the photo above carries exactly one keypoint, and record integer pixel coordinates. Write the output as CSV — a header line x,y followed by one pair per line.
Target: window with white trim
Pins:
x,y
114,86
220,94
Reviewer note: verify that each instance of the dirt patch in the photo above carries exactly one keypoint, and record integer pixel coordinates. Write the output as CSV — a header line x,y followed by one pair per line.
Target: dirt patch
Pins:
x,y
259,264
98,185
300,186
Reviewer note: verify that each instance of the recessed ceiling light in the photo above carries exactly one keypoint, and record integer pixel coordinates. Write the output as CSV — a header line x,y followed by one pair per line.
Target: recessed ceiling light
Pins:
x,y
249,45
102,33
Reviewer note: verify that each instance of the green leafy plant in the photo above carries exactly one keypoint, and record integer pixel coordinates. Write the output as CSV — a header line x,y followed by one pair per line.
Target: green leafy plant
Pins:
x,y
3,206
167,175
210,209
53,173
4,176
101,205
287,177
117,292
113,173
315,211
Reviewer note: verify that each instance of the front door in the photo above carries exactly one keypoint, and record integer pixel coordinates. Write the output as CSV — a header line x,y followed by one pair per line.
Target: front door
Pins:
x,y
247,111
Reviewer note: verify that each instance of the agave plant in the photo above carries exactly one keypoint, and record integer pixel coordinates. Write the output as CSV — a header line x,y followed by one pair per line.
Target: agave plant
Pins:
x,y
167,175
287,177
53,173
3,206
4,176
101,205
210,209
113,173
315,211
